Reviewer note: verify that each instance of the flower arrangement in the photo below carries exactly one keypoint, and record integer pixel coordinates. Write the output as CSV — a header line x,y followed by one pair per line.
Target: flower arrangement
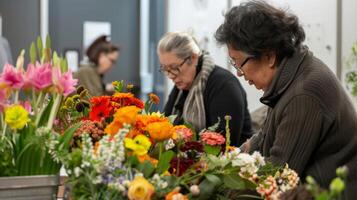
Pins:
x,y
122,150
29,103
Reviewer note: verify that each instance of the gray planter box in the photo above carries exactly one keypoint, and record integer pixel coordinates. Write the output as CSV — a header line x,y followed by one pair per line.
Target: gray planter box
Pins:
x,y
42,187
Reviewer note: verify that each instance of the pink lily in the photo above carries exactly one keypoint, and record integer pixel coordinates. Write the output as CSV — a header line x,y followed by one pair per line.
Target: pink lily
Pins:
x,y
12,77
39,76
64,83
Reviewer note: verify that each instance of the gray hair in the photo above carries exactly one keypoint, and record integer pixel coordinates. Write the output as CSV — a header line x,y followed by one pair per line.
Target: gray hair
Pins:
x,y
181,44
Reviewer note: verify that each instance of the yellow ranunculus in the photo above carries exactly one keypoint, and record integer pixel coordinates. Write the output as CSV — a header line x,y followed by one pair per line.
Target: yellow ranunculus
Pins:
x,y
140,189
160,131
140,144
16,116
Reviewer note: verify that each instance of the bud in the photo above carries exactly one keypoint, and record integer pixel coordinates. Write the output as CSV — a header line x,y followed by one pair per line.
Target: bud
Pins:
x,y
80,89
337,185
195,190
79,107
342,171
227,117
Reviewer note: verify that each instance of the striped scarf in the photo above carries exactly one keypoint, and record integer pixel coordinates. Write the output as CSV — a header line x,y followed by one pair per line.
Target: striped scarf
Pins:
x,y
194,110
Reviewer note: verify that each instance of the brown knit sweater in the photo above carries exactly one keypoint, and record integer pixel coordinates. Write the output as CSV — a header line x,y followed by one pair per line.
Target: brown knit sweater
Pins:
x,y
311,123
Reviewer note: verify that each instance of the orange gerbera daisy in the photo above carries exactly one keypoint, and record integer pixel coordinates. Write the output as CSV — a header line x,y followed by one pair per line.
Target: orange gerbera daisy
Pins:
x,y
154,98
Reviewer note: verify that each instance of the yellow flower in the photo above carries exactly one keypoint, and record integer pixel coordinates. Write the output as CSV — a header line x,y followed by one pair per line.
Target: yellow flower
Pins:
x,y
16,116
140,144
160,131
140,189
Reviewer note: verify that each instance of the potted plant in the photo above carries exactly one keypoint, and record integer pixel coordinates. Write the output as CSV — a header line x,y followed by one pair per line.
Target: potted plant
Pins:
x,y
29,102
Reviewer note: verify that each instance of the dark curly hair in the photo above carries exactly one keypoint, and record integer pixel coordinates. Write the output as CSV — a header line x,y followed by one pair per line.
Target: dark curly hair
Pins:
x,y
100,45
256,27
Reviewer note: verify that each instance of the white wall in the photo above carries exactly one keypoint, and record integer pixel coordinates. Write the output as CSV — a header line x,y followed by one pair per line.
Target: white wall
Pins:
x,y
318,17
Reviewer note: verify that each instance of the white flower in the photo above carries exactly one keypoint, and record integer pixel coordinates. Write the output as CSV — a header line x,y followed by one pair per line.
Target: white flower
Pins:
x,y
195,190
243,159
170,144
77,171
259,159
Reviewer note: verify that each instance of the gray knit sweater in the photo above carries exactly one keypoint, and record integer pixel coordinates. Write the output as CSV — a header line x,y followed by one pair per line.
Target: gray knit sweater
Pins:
x,y
311,123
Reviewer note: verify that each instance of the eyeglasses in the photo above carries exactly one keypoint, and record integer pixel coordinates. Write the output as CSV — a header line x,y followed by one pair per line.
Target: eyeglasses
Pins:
x,y
174,70
239,68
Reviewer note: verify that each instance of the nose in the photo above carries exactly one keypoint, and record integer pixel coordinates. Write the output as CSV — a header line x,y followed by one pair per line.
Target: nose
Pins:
x,y
240,74
171,76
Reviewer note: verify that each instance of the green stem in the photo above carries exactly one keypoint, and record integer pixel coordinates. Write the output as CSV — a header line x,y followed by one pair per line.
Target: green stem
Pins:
x,y
54,109
160,149
16,98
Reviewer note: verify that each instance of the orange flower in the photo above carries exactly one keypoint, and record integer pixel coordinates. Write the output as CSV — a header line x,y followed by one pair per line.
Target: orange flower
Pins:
x,y
113,128
154,98
126,114
160,131
143,120
123,115
145,157
175,194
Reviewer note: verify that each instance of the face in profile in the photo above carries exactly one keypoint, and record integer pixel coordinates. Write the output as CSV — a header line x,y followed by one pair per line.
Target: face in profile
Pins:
x,y
256,71
181,71
106,61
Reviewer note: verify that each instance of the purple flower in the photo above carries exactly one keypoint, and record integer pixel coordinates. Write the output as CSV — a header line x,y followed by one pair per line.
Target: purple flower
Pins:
x,y
12,77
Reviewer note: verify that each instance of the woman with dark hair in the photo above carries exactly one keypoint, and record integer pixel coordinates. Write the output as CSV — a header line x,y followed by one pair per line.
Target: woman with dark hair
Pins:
x,y
311,123
102,55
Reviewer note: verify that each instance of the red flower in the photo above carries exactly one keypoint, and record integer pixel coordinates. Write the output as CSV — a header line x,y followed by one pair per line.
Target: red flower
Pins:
x,y
193,145
101,108
180,165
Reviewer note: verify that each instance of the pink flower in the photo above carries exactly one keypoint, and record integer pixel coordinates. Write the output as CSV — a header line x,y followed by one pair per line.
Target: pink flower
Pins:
x,y
3,98
64,82
183,132
26,105
212,138
12,77
39,76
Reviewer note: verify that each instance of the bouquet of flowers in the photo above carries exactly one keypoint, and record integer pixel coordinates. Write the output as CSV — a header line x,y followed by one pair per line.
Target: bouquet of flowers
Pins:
x,y
122,150
29,102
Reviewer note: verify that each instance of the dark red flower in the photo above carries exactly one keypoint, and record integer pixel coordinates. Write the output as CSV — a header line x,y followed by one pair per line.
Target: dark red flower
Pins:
x,y
180,165
193,145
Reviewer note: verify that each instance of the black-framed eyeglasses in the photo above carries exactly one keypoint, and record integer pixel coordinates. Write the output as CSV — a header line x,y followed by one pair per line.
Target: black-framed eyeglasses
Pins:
x,y
173,70
239,68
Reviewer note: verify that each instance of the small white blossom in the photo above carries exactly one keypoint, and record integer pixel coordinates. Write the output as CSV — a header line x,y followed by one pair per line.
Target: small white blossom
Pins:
x,y
77,171
170,144
195,190
259,159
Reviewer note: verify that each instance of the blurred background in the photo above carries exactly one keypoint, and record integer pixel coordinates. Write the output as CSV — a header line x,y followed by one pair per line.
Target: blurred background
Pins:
x,y
137,25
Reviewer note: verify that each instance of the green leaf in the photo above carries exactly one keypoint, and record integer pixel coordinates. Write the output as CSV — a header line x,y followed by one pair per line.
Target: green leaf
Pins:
x,y
48,42
234,181
207,189
132,161
33,53
323,196
66,138
172,118
214,150
146,168
39,47
213,179
45,114
55,59
164,162
64,65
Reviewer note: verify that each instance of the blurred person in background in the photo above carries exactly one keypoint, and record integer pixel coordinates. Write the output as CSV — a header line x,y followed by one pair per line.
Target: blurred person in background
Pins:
x,y
102,55
203,91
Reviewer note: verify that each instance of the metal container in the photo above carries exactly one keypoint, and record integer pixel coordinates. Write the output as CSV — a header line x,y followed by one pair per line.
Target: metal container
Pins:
x,y
43,187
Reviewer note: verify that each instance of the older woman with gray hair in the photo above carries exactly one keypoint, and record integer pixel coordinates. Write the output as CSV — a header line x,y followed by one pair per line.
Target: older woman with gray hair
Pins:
x,y
203,91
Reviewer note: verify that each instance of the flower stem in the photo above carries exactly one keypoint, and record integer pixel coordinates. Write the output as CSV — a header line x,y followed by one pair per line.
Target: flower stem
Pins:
x,y
54,109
